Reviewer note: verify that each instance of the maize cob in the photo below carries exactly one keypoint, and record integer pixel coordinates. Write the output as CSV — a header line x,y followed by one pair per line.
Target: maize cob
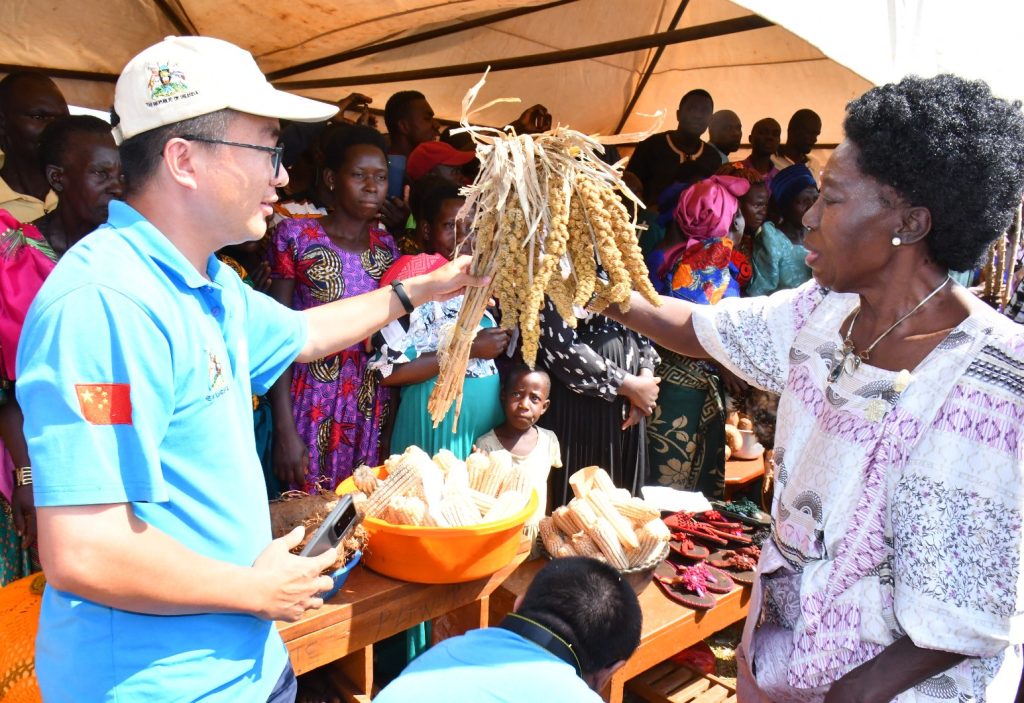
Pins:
x,y
457,510
432,480
444,460
403,481
482,501
550,535
406,510
517,479
591,478
477,466
508,503
585,546
608,542
583,513
603,507
657,528
365,480
359,501
648,548
556,544
500,467
635,510
565,520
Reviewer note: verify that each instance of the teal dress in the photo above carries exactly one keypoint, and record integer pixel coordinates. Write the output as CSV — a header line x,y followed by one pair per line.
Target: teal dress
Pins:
x,y
419,333
778,263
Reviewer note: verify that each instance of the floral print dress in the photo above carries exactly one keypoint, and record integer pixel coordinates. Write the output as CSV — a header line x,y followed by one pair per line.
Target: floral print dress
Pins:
x,y
898,504
339,408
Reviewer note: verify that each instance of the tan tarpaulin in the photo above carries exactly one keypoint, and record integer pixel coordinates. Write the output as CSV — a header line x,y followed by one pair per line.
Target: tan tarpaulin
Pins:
x,y
818,54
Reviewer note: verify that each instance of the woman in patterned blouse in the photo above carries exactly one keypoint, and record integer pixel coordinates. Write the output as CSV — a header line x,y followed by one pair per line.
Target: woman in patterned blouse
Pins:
x,y
893,571
329,413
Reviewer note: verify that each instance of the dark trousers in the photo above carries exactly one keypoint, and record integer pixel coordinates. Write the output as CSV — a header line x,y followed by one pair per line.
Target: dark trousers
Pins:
x,y
286,687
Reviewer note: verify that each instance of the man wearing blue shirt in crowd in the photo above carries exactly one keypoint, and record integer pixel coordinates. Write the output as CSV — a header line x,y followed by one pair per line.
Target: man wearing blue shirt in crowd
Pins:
x,y
575,626
135,371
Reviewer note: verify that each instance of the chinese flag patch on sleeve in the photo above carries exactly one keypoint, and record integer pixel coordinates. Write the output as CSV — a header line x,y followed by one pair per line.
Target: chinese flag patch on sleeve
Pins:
x,y
105,403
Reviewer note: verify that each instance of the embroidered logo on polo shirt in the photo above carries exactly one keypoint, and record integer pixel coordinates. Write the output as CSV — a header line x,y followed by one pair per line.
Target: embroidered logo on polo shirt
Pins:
x,y
167,84
217,380
105,403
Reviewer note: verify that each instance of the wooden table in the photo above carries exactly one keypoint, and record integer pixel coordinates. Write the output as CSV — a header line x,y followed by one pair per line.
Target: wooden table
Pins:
x,y
667,628
740,472
370,608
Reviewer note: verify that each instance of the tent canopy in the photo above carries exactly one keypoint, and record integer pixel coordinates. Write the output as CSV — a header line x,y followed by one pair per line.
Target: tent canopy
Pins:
x,y
596,64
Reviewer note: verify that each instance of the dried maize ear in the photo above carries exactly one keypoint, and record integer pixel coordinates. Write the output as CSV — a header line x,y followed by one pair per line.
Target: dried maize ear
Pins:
x,y
564,520
365,480
602,505
585,546
565,550
608,542
359,501
550,535
477,466
517,479
407,510
583,513
482,501
500,468
507,504
655,528
648,548
404,481
458,510
635,510
445,460
433,482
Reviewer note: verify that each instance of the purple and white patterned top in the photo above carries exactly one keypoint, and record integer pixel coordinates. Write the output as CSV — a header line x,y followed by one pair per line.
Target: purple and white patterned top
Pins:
x,y
898,503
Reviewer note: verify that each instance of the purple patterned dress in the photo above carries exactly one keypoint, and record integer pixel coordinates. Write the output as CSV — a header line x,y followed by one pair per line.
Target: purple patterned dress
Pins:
x,y
339,408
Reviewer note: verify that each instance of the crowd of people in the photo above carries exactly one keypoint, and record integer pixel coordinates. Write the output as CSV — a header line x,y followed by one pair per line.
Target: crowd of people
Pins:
x,y
153,401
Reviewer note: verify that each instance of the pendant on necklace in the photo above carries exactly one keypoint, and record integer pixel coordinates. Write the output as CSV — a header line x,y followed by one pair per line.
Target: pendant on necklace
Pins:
x,y
844,360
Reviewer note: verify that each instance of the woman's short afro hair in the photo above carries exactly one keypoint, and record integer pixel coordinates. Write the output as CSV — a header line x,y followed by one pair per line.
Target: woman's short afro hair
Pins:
x,y
947,144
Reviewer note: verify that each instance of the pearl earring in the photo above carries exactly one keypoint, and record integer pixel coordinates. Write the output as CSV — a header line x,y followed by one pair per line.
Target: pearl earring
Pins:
x,y
896,241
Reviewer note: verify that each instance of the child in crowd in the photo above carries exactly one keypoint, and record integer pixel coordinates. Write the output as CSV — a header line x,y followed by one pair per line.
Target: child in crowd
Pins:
x,y
524,398
406,355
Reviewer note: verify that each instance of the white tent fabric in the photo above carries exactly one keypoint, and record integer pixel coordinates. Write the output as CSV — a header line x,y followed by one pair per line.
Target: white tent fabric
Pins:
x,y
819,54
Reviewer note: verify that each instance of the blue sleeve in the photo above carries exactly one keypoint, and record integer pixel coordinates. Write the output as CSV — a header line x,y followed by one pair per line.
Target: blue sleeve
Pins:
x,y
276,334
69,350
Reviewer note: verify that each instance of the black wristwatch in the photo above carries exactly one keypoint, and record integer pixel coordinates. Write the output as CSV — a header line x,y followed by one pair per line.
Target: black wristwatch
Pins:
x,y
403,297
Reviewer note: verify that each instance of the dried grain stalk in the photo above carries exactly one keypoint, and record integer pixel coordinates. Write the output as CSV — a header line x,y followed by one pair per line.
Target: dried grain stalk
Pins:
x,y
546,214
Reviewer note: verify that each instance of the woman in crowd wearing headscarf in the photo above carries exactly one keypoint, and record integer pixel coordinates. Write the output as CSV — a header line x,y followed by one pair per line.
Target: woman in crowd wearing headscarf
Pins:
x,y
778,253
894,567
698,262
82,166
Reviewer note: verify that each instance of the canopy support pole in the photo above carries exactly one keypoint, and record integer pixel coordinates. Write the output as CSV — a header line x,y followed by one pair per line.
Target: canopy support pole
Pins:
x,y
412,39
649,71
622,46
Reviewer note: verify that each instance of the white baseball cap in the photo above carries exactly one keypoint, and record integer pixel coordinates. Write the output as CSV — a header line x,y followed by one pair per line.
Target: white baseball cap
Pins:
x,y
185,77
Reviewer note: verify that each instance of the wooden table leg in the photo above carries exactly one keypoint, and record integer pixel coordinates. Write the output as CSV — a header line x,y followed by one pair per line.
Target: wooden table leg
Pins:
x,y
613,691
459,621
352,676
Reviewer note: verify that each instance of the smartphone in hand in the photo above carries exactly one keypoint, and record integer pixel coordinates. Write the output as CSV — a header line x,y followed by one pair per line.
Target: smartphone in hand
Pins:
x,y
335,527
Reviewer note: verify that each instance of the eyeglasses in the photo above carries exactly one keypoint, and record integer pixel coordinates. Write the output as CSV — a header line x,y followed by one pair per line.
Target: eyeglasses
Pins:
x,y
276,152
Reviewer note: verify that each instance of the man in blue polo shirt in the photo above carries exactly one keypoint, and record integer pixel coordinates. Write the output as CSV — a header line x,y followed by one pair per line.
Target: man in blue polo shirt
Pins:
x,y
135,371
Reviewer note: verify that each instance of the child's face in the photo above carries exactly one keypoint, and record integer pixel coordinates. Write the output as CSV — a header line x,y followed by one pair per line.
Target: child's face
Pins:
x,y
443,232
525,400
